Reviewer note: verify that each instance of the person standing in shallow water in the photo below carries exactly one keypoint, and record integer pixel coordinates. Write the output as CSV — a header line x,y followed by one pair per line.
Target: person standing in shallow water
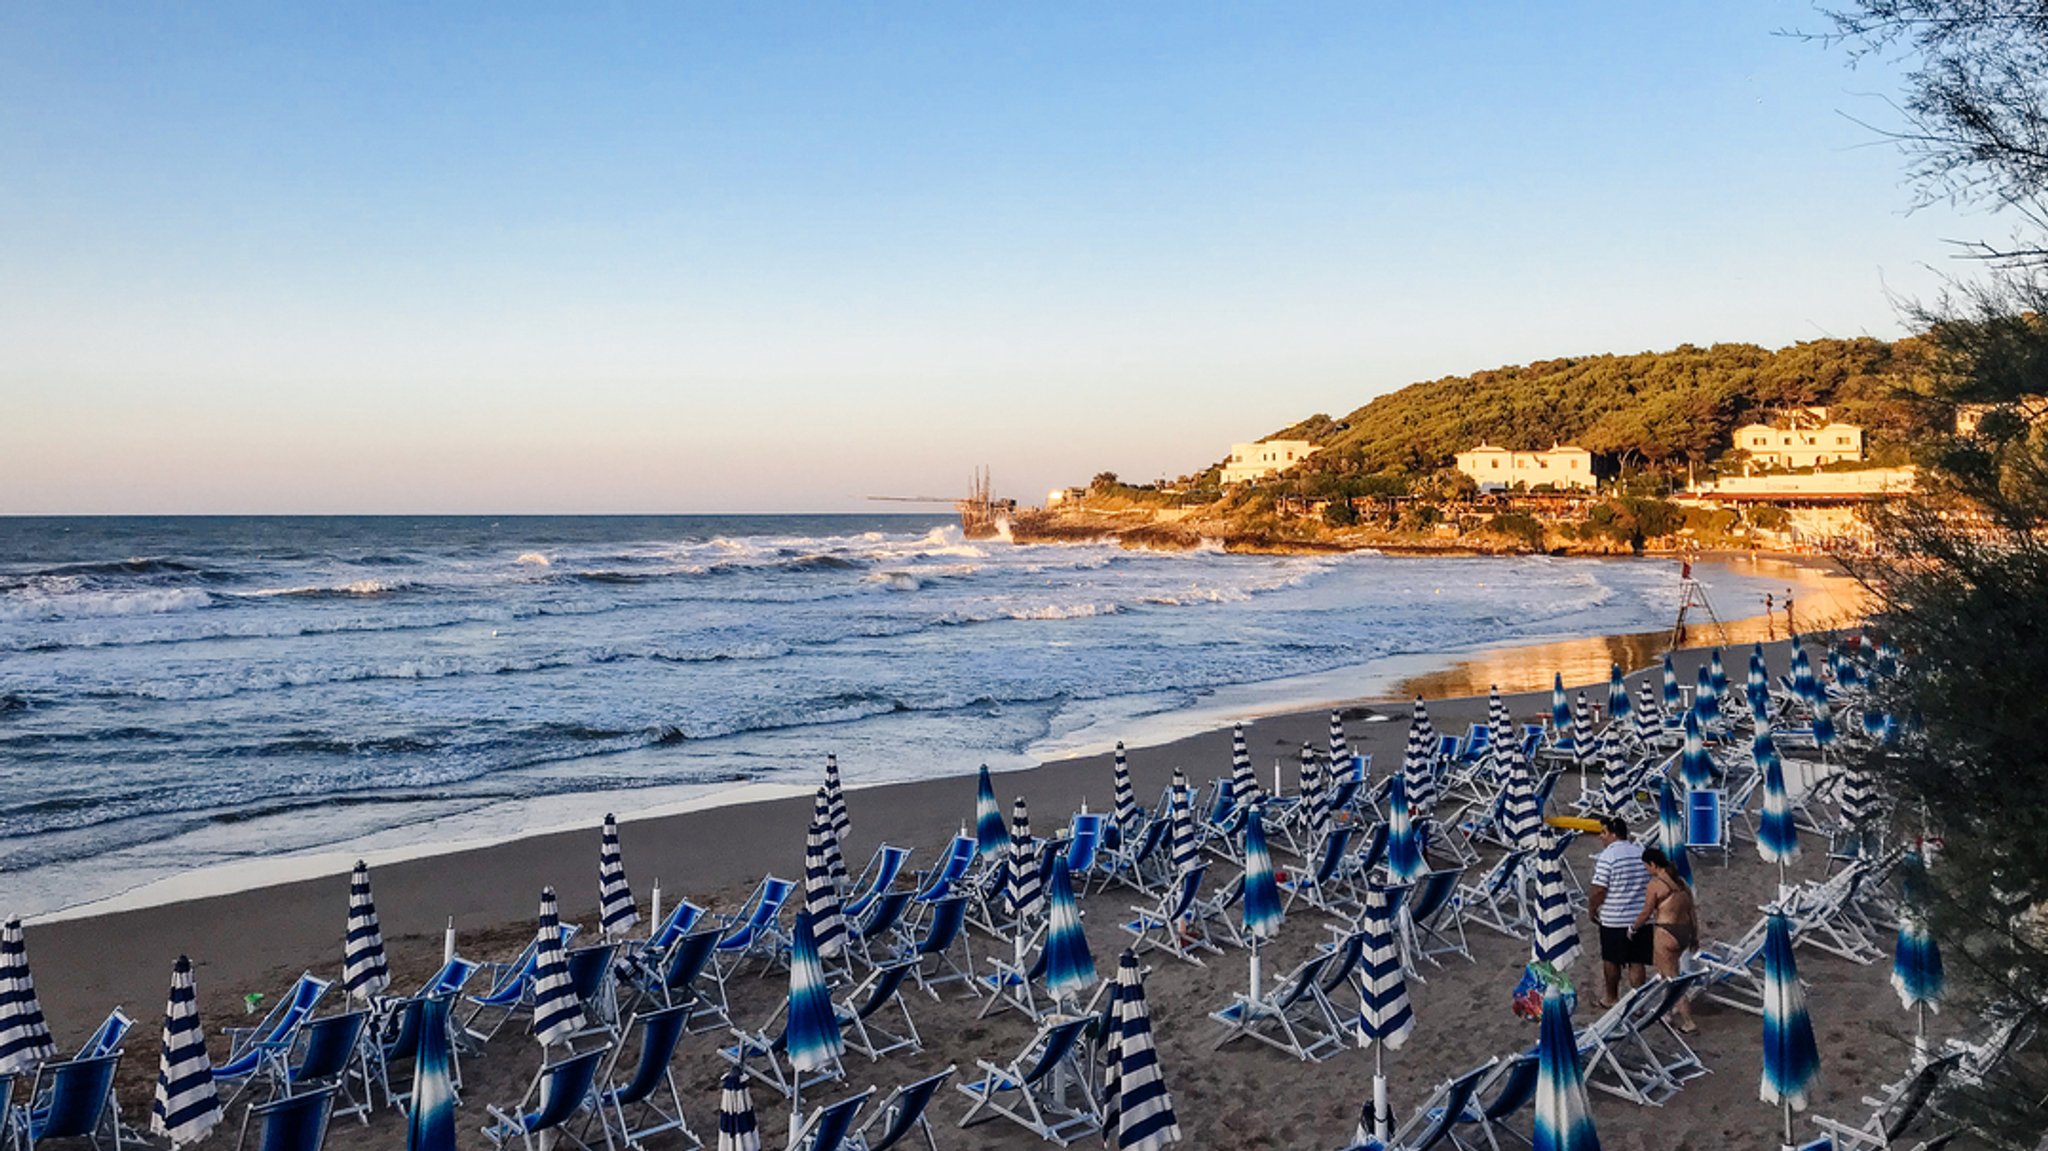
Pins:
x,y
1670,918
1616,898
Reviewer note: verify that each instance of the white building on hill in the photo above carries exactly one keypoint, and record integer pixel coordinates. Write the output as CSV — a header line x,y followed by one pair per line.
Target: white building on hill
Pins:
x,y
1496,469
1801,438
1267,457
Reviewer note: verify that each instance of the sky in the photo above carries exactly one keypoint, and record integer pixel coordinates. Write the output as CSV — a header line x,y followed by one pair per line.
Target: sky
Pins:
x,y
777,257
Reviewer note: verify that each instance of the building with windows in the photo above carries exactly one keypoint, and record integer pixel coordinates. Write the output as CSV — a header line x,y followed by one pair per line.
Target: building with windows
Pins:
x,y
1800,438
1267,457
1560,466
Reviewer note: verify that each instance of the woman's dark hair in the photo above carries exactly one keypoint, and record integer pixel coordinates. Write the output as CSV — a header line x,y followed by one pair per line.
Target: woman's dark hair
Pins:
x,y
1652,857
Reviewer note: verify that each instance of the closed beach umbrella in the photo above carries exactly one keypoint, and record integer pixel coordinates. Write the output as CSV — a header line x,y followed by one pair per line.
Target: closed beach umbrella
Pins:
x,y
1125,813
1140,1111
1556,938
821,815
988,819
736,1129
1803,684
1706,701
1672,700
1417,762
1498,719
1694,764
1024,891
1916,964
1069,968
187,1104
557,1013
1758,675
1404,854
364,971
1560,705
813,1033
1582,727
1645,715
616,913
1759,705
1859,800
1617,694
1791,1059
1563,1121
430,1126
1777,836
1244,782
1671,828
1717,674
1340,749
1262,912
1823,724
1521,819
842,820
1384,1016
1315,810
24,1036
821,894
1186,853
1615,775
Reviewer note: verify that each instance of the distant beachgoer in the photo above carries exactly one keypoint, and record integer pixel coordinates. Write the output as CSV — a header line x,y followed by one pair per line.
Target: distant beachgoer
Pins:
x,y
1790,627
1770,616
1620,882
1670,918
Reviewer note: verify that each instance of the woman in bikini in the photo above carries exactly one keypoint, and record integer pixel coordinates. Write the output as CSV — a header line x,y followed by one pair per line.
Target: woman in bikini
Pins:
x,y
1672,919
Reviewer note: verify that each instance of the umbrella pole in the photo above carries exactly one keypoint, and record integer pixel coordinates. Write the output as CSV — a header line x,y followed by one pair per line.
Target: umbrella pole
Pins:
x,y
1382,1116
448,942
1786,1108
1920,1034
1255,967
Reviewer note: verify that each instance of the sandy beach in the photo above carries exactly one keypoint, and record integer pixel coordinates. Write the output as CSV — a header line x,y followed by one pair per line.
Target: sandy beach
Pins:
x,y
1242,1096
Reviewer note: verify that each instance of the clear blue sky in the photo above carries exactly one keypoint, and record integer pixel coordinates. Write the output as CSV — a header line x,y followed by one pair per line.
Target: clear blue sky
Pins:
x,y
491,257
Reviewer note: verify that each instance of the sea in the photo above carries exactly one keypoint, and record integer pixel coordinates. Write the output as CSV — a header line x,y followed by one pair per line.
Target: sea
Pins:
x,y
187,697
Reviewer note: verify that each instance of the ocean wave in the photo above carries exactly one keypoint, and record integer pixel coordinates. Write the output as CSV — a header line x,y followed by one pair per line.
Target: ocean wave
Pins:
x,y
31,606
354,589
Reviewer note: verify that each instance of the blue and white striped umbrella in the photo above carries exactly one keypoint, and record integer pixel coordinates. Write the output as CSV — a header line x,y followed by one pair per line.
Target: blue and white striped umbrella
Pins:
x,y
24,1036
1671,828
1916,964
1069,968
1556,936
1717,673
1560,705
1673,701
557,1012
1139,1109
1617,694
842,820
1777,833
988,819
1616,775
1791,1059
1859,799
1186,852
1582,727
1315,808
1244,782
187,1105
1804,685
1417,760
364,971
1125,813
1521,819
616,912
1694,763
430,1126
1501,723
835,861
1563,1121
736,1128
1706,701
1023,888
1262,911
1404,853
821,894
1384,1014
812,1036
1646,718
1340,748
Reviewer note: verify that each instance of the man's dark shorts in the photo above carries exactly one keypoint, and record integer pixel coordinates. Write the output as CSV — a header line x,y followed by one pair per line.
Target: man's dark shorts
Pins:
x,y
1626,948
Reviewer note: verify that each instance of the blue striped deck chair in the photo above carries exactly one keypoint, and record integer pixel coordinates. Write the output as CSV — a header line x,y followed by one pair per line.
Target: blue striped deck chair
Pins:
x,y
945,932
754,931
1492,902
1138,860
1171,924
1605,1042
1084,850
510,993
396,1039
827,1128
260,1051
1660,1049
1215,912
877,935
1322,887
591,977
1706,823
73,1099
1446,750
902,1113
937,883
1512,1087
560,1093
677,982
108,1037
293,1123
1345,950
1432,914
648,1103
1819,1143
878,878
1010,986
1733,973
330,1052
450,978
1346,793
1219,824
1893,1109
1053,1091
1293,1015
1448,1107
858,1009
1477,742
638,962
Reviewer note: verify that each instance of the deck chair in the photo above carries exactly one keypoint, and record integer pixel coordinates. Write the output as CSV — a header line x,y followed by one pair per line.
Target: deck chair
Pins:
x,y
1345,952
1706,823
1010,986
1219,824
260,1051
758,1056
590,975
396,1040
1513,1084
1893,1109
1733,973
1214,912
451,977
1608,1052
676,982
1494,902
1084,849
1138,859
1662,1049
1293,1015
293,1123
73,1099
330,1052
865,1000
561,1091
945,933
877,935
1431,915
937,883
1046,1089
1827,917
638,962
510,993
648,1103
875,880
753,931
901,1112
1171,925
1447,1107
1320,886
827,1128
108,1037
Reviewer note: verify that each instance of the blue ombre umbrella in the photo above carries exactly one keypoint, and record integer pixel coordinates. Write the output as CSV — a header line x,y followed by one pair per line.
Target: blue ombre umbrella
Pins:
x,y
1777,834
1717,673
1672,700
1916,964
989,837
737,1130
1694,764
812,1034
1823,725
1404,854
430,1125
1560,705
1759,705
1262,910
1069,968
1563,1121
1617,695
1671,828
1791,1060
1384,1015
187,1105
1804,685
1705,700
1555,939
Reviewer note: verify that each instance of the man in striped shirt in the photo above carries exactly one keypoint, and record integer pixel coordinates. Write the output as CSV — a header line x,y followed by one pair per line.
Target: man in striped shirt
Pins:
x,y
1619,883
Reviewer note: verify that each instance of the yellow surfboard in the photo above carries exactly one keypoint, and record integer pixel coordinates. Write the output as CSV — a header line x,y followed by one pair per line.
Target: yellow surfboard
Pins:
x,y
1572,822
